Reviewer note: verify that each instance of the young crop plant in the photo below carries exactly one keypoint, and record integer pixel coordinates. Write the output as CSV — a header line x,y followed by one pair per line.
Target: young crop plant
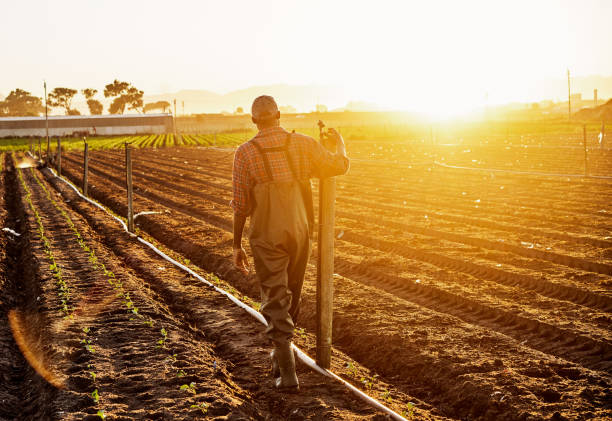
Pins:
x,y
162,342
63,289
191,387
202,406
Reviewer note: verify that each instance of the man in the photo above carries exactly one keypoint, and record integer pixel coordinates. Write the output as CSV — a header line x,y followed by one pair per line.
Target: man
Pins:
x,y
271,183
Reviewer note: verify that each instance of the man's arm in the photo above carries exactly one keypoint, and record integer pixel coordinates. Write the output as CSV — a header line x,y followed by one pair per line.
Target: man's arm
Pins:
x,y
240,258
325,163
241,205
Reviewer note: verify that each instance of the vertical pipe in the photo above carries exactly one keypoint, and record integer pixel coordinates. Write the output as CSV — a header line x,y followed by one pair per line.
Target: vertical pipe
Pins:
x,y
584,143
85,168
128,176
325,266
59,157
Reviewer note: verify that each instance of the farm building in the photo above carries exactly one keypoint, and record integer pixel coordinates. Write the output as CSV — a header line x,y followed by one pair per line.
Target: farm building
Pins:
x,y
86,125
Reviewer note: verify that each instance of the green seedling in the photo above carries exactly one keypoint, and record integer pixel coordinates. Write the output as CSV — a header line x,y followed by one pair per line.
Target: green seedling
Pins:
x,y
352,369
189,387
86,330
368,382
162,342
101,414
408,413
203,407
181,373
386,396
93,375
95,395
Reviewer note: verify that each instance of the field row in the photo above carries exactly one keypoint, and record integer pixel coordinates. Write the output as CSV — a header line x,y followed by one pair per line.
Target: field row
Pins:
x,y
525,304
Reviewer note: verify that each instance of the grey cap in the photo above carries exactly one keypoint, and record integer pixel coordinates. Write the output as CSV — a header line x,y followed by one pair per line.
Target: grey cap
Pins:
x,y
264,108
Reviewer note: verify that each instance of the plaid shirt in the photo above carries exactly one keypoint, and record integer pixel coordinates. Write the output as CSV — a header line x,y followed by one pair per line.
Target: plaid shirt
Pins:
x,y
310,159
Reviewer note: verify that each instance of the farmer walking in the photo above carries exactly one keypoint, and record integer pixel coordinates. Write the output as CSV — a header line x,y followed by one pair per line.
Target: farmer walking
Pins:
x,y
271,184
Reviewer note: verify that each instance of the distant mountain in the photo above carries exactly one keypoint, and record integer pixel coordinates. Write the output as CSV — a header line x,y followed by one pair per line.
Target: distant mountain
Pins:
x,y
303,98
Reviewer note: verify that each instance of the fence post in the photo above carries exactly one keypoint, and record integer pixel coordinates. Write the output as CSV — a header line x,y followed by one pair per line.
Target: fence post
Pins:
x,y
584,143
85,167
48,151
325,264
128,175
59,157
39,150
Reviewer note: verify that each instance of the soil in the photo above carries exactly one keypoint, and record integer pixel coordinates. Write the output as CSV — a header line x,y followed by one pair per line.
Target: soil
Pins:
x,y
459,293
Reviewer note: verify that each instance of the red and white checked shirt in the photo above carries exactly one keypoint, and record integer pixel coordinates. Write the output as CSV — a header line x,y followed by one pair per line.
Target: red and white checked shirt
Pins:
x,y
310,159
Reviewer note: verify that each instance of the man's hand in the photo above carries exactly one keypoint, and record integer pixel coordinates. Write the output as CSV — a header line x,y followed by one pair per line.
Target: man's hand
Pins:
x,y
241,261
340,148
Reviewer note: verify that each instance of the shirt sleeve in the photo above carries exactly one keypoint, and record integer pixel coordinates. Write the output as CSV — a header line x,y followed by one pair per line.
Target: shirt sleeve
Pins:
x,y
324,163
241,202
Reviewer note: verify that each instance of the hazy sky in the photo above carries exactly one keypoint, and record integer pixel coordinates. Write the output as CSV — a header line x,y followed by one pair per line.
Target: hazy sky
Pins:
x,y
397,53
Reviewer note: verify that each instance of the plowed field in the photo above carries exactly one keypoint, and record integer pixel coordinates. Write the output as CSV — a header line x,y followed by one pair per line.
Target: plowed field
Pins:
x,y
463,293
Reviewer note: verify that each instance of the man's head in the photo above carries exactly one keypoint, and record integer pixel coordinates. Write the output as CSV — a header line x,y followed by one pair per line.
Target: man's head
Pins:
x,y
264,112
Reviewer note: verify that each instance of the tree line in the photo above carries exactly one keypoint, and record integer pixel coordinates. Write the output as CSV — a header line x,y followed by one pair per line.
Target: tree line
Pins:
x,y
124,96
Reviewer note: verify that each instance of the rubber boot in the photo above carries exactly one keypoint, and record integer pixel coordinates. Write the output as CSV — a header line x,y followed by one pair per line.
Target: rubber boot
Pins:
x,y
288,380
274,361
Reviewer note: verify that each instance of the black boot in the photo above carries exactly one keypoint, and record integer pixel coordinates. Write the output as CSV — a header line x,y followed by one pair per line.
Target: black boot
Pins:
x,y
274,361
288,380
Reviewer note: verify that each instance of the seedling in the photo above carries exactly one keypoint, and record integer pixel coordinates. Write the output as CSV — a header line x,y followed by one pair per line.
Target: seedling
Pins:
x,y
386,396
95,395
101,414
352,369
368,382
408,413
162,342
189,387
203,407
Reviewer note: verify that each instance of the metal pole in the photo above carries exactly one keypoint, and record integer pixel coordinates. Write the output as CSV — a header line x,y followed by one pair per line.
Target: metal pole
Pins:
x,y
325,264
46,119
59,157
48,151
85,167
584,142
128,175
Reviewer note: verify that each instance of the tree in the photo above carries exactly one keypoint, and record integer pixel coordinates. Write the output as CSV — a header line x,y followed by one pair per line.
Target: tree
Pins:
x,y
89,93
159,105
73,112
125,95
239,110
62,98
95,106
21,103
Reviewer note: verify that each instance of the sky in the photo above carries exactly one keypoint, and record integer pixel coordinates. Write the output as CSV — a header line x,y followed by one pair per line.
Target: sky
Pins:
x,y
399,54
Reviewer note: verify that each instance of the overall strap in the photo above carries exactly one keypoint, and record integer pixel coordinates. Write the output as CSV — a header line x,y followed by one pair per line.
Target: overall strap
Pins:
x,y
265,159
285,149
288,157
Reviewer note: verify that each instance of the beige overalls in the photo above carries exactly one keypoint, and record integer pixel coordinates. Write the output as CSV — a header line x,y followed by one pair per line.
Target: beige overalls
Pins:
x,y
280,238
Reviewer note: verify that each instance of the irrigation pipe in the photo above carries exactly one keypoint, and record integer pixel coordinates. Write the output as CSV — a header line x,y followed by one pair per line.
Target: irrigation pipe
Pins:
x,y
543,174
302,356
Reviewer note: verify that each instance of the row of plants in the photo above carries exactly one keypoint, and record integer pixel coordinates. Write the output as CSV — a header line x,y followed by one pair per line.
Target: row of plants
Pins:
x,y
86,341
131,308
63,289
